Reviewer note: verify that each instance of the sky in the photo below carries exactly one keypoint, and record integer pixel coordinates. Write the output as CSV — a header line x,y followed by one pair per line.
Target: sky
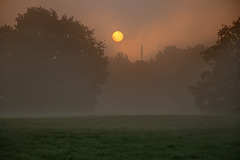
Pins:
x,y
151,23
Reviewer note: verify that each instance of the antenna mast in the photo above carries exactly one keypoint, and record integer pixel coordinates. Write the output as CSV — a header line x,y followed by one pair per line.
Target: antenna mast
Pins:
x,y
141,52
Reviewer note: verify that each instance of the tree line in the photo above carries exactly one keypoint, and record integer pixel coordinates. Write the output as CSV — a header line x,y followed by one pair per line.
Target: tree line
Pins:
x,y
159,85
55,64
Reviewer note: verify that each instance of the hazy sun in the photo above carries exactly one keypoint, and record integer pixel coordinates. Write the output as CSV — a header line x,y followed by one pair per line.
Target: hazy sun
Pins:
x,y
117,36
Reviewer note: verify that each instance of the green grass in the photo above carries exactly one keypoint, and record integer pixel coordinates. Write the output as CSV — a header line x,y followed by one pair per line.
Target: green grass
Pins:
x,y
121,138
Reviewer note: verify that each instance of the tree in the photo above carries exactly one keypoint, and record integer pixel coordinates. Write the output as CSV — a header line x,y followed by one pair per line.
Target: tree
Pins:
x,y
219,88
50,63
156,86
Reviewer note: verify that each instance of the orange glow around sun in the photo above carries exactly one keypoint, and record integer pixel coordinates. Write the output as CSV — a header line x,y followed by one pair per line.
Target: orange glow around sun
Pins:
x,y
117,36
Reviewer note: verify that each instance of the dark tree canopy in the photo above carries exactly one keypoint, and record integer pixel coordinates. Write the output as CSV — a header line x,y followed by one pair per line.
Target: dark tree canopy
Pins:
x,y
219,88
156,86
51,63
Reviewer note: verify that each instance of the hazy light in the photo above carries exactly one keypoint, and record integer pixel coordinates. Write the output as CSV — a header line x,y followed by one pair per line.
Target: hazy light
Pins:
x,y
117,36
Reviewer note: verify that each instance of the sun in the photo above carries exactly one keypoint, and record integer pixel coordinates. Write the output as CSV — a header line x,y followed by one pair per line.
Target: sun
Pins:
x,y
117,36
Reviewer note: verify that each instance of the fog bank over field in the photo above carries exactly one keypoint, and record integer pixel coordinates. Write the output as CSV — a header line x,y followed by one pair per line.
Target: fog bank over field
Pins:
x,y
159,86
58,58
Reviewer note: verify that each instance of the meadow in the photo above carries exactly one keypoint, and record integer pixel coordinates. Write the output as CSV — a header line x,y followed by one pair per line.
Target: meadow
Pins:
x,y
176,137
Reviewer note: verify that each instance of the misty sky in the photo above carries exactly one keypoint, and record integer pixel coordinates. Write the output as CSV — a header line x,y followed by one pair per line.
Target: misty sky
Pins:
x,y
153,23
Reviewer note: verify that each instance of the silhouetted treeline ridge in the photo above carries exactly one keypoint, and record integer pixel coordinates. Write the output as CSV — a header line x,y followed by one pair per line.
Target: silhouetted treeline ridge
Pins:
x,y
52,65
157,86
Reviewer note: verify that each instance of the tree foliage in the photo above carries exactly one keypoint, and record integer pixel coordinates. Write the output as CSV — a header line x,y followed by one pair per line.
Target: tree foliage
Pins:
x,y
219,88
50,63
156,86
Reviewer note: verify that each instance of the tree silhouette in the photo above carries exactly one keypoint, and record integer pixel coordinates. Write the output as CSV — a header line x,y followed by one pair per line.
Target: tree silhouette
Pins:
x,y
156,86
50,63
219,88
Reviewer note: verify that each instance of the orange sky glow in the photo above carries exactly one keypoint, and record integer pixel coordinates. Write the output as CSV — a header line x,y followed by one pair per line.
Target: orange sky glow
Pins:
x,y
152,23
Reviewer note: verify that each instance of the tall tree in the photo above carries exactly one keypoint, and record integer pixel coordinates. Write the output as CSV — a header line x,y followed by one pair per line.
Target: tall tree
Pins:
x,y
219,88
50,63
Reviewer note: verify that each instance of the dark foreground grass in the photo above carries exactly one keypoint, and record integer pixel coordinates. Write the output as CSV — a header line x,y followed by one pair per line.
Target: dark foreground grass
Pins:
x,y
121,138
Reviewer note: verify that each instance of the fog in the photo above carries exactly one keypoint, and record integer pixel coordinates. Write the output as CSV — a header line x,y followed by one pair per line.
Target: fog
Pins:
x,y
177,31
159,86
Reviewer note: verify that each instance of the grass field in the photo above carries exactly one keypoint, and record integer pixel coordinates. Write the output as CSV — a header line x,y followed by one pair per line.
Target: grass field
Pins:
x,y
121,138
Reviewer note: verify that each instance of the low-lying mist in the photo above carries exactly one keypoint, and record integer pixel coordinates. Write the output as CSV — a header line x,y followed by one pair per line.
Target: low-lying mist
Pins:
x,y
157,86
54,66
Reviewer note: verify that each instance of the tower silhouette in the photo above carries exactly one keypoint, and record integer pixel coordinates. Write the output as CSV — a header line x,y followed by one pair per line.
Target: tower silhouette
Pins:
x,y
141,52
